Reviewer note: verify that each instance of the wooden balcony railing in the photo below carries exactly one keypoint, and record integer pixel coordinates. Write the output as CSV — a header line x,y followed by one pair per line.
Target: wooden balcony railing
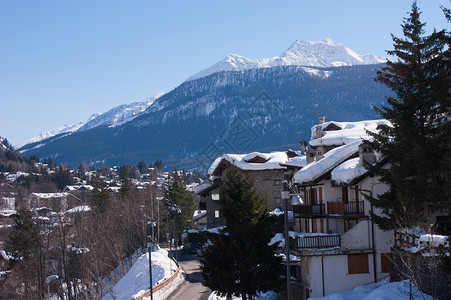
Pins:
x,y
309,210
341,208
316,242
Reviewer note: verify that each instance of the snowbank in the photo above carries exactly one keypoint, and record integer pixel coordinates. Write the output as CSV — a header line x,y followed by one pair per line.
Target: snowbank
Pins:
x,y
261,296
378,291
137,279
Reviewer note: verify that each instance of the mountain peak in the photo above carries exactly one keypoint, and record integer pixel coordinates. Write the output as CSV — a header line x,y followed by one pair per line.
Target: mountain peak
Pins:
x,y
324,53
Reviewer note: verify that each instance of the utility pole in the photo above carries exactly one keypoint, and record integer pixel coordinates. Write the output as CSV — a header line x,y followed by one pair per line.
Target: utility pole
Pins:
x,y
149,249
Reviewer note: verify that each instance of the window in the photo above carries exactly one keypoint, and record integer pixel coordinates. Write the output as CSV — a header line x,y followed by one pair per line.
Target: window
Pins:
x,y
215,196
216,213
385,262
358,263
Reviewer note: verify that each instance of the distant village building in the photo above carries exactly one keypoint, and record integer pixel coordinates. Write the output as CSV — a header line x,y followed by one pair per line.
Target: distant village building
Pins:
x,y
54,201
270,171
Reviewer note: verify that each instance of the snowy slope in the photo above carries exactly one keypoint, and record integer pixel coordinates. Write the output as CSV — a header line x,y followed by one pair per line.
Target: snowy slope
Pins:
x,y
137,278
325,53
382,290
48,134
115,116
120,114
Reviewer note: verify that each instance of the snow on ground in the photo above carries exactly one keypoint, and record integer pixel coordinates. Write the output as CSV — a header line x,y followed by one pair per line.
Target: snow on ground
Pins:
x,y
137,278
378,291
263,296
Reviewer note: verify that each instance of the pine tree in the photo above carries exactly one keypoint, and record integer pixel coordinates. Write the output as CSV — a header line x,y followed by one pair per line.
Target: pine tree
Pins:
x,y
417,144
239,261
23,239
142,167
179,196
100,198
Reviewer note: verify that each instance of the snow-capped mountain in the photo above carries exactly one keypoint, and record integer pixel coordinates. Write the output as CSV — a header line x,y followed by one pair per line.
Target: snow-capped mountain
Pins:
x,y
113,117
269,101
48,134
120,114
227,112
325,53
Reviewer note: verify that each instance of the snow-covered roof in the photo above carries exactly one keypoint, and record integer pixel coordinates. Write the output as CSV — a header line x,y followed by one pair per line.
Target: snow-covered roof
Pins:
x,y
50,195
297,161
330,160
202,187
199,214
348,171
78,209
267,161
79,187
276,212
347,133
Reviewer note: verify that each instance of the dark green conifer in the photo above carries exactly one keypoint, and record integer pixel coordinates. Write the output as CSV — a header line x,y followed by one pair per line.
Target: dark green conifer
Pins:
x,y
239,261
23,240
181,200
417,146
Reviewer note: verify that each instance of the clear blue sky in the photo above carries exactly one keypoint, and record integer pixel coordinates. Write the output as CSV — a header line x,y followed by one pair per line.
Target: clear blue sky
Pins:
x,y
61,61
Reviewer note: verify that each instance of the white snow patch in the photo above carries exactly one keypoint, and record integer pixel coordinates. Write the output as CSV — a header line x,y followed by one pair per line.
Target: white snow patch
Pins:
x,y
378,291
260,296
278,240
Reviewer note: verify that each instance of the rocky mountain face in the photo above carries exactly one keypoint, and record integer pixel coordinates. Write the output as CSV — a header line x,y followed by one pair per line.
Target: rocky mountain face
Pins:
x,y
262,109
4,145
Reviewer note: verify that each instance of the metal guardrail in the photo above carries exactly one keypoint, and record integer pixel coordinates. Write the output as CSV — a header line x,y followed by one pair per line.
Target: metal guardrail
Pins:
x,y
160,285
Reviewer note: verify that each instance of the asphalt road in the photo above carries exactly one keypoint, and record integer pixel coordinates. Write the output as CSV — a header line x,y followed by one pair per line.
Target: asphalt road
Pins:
x,y
191,288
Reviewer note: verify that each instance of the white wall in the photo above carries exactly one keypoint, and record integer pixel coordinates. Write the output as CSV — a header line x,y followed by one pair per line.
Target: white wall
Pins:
x,y
358,237
336,277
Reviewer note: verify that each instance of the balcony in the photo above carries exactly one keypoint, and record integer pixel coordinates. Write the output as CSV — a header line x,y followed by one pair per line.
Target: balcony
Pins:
x,y
314,210
316,241
341,208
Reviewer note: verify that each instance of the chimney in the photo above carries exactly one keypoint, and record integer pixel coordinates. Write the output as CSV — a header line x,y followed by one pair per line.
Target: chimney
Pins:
x,y
322,119
303,145
366,154
318,132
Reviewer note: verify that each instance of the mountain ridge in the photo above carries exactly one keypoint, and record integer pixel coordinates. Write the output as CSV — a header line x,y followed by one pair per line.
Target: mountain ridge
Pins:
x,y
184,126
113,117
324,53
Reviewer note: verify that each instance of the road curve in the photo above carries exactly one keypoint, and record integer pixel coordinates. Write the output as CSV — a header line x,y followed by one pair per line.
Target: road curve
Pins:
x,y
191,288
